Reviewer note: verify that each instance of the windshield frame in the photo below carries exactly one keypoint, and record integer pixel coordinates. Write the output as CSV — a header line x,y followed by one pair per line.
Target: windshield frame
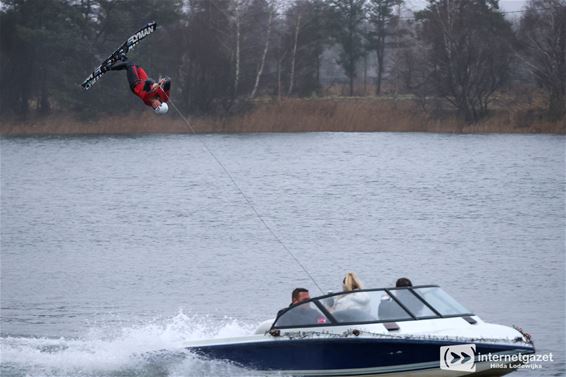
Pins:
x,y
333,322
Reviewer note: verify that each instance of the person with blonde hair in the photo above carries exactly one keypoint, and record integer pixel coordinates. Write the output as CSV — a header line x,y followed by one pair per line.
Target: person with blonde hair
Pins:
x,y
353,301
351,282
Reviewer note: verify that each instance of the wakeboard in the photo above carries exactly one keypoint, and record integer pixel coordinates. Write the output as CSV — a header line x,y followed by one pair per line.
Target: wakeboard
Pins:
x,y
123,49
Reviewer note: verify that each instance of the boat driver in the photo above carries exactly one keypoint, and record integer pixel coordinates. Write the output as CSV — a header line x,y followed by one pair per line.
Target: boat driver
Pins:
x,y
299,295
303,314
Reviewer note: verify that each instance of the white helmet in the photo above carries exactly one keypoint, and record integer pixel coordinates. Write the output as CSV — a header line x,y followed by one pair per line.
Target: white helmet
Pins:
x,y
162,109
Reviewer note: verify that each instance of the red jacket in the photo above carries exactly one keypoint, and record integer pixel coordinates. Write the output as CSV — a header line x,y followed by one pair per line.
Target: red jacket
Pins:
x,y
143,89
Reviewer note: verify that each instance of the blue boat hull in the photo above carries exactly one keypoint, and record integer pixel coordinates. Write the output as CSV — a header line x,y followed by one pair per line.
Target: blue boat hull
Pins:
x,y
341,355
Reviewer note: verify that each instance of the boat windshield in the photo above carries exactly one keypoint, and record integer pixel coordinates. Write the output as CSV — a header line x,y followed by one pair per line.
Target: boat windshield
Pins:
x,y
373,305
441,301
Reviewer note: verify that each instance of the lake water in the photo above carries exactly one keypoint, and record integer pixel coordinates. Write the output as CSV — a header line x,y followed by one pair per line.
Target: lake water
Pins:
x,y
116,251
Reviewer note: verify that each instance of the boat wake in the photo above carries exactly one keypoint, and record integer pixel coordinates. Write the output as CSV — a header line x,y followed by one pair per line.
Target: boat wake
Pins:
x,y
150,349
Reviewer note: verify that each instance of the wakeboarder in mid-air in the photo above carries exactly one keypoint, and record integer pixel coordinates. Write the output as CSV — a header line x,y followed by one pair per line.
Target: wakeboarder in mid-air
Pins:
x,y
153,94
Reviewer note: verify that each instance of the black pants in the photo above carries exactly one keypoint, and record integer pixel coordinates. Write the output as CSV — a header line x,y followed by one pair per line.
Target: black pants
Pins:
x,y
133,72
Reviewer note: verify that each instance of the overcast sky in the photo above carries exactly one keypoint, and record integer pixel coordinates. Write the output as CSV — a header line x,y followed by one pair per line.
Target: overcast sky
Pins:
x,y
506,5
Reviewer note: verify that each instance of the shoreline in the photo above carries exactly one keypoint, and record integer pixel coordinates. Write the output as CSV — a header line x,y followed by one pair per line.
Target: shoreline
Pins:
x,y
295,115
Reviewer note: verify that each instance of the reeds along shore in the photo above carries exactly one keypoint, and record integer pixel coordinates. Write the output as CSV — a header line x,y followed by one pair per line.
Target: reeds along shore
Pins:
x,y
298,115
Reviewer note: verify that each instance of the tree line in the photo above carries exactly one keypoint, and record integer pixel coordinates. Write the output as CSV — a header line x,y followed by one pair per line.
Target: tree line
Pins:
x,y
224,54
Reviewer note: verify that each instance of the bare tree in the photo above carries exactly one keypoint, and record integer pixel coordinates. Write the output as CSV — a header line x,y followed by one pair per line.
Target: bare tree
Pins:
x,y
265,51
294,55
469,52
304,36
542,34
237,22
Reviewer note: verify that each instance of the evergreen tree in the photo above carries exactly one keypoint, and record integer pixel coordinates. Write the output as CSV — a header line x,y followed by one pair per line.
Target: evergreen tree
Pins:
x,y
346,20
41,53
383,21
207,79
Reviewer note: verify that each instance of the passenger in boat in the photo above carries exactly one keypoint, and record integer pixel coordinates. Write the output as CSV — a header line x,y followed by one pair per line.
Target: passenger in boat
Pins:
x,y
403,282
355,305
389,309
303,314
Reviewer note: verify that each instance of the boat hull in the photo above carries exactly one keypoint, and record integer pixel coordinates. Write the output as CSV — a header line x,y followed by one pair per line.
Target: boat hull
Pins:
x,y
351,357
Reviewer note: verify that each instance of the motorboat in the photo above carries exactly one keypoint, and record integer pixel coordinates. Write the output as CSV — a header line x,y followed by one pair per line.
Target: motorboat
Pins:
x,y
410,331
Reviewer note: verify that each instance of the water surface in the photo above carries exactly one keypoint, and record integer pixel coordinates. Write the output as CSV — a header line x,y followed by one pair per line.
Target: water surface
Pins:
x,y
116,251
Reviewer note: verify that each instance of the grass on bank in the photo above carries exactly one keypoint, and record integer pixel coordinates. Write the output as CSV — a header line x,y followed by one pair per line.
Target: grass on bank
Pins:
x,y
360,114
